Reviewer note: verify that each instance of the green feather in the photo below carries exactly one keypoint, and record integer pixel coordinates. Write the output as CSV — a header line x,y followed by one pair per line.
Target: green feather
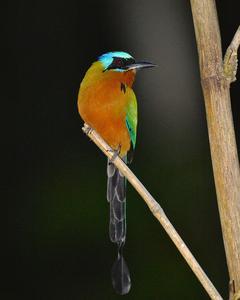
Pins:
x,y
131,119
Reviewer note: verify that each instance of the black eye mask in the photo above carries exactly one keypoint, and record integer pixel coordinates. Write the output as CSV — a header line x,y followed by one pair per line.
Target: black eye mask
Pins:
x,y
120,63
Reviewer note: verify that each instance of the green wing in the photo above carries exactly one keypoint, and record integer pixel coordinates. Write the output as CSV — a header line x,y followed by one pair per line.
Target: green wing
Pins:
x,y
131,123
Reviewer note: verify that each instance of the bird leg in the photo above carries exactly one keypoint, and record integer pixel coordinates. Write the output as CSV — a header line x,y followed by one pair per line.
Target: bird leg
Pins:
x,y
115,153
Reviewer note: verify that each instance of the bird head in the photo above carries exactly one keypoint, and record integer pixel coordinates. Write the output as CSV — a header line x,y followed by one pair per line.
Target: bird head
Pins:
x,y
121,62
112,67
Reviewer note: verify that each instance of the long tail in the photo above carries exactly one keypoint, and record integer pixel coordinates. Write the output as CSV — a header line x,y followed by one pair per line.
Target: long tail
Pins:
x,y
116,196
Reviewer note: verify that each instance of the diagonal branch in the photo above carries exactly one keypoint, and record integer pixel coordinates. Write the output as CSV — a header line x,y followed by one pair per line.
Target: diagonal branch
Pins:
x,y
230,62
157,212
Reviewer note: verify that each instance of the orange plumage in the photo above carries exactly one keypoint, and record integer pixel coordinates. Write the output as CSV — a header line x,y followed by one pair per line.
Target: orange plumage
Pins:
x,y
102,102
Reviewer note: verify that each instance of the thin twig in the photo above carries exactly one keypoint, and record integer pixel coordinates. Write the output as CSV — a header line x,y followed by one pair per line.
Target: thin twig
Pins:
x,y
157,212
230,62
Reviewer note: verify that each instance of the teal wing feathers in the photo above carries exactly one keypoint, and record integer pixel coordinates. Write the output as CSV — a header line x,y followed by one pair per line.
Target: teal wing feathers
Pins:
x,y
131,123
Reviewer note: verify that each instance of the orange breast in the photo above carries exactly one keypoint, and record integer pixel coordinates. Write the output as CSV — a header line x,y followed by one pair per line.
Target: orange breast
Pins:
x,y
103,104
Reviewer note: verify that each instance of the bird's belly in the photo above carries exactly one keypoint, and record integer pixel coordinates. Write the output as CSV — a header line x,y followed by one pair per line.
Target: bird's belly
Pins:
x,y
111,125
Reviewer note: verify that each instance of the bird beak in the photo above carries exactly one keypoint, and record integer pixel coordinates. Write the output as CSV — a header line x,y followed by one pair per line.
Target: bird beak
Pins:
x,y
140,65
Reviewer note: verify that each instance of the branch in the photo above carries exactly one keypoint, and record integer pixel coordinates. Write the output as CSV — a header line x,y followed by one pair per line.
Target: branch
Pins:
x,y
230,62
236,296
157,212
215,79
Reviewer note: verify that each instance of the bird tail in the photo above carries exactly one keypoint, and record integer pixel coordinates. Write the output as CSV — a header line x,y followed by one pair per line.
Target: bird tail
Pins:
x,y
116,196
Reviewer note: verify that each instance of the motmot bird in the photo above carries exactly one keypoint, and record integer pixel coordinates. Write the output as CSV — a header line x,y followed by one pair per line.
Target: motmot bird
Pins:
x,y
107,103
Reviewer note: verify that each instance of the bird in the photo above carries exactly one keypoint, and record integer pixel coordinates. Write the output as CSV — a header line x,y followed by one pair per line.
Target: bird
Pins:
x,y
107,103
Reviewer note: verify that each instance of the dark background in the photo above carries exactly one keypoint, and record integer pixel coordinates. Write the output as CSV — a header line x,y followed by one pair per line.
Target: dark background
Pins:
x,y
55,237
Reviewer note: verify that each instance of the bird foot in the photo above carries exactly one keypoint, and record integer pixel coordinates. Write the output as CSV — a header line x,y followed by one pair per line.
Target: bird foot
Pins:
x,y
87,129
115,153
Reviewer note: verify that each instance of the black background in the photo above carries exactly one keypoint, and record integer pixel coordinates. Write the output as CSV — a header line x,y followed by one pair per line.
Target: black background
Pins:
x,y
55,234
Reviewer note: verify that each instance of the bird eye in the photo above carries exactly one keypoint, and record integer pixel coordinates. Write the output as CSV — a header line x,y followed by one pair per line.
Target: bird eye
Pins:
x,y
118,62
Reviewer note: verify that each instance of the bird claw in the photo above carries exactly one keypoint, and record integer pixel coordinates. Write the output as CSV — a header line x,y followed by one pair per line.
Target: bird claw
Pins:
x,y
115,153
87,129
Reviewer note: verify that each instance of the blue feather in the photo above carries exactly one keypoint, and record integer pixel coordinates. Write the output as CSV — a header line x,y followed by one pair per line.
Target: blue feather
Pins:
x,y
107,58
